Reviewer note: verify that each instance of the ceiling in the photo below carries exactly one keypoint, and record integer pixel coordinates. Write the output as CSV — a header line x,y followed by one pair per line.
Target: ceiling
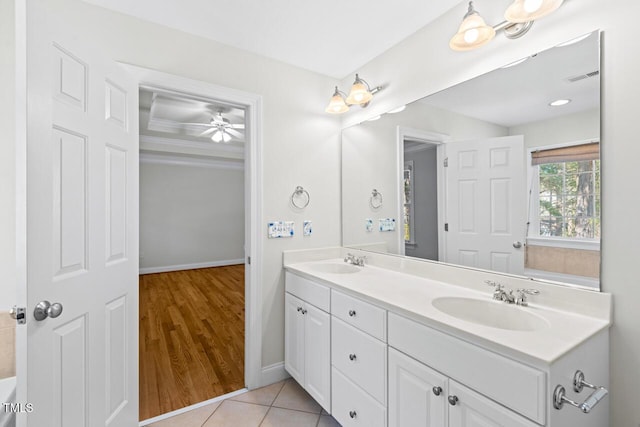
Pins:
x,y
330,37
174,123
522,93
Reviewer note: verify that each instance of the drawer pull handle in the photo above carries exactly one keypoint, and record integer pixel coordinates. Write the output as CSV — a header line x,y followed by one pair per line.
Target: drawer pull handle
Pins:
x,y
352,313
353,414
453,400
437,390
352,357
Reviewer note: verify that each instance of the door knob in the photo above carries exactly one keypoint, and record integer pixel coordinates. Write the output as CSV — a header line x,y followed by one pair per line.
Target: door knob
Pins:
x,y
453,400
517,244
45,309
437,390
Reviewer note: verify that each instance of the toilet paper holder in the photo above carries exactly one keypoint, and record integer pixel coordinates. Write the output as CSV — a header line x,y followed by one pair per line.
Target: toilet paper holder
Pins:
x,y
599,393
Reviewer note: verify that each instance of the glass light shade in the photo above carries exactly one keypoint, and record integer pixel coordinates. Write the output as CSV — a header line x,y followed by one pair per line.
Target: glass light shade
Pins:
x,y
337,104
530,10
217,136
359,93
473,33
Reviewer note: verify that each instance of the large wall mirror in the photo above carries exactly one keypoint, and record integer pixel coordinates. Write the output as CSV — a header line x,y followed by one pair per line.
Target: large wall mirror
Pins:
x,y
500,173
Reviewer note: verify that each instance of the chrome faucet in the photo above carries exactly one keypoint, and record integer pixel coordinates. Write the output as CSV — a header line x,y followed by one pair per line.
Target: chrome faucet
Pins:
x,y
501,294
355,260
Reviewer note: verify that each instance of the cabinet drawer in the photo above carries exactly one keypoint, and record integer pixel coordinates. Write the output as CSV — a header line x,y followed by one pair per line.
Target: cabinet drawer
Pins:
x,y
362,315
308,291
351,406
360,357
517,386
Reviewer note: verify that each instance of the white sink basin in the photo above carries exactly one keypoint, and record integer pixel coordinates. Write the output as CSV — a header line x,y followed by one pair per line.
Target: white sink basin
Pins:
x,y
490,313
335,268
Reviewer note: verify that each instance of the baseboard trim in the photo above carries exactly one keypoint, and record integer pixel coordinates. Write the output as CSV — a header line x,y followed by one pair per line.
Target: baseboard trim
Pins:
x,y
274,373
194,266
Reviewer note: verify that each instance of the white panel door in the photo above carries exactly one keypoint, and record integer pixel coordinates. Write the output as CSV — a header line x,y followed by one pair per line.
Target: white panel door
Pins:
x,y
486,204
82,229
417,393
474,410
294,337
317,355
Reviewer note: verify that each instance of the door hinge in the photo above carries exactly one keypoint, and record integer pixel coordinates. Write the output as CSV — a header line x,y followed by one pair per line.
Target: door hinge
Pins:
x,y
19,314
446,226
249,260
446,162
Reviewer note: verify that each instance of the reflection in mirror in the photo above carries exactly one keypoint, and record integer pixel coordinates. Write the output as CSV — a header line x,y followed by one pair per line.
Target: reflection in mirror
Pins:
x,y
501,172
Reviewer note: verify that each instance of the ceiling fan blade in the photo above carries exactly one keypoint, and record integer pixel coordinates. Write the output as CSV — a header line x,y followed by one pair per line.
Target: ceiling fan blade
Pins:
x,y
196,124
235,133
207,132
237,126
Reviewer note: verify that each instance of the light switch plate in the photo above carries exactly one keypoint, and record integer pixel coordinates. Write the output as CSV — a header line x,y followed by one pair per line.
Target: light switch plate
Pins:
x,y
368,225
387,224
279,229
307,228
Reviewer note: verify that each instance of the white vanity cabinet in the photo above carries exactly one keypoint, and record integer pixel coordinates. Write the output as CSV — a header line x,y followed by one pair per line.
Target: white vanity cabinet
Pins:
x,y
308,337
419,397
447,363
359,362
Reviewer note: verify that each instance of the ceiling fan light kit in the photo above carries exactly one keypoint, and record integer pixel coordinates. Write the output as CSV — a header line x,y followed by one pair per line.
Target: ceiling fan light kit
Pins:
x,y
360,94
474,32
221,129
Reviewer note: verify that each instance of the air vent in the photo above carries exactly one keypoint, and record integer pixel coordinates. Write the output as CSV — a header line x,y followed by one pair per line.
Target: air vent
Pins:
x,y
583,76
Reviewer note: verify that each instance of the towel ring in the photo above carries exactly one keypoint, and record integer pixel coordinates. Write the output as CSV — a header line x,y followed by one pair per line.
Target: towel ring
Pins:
x,y
376,199
299,193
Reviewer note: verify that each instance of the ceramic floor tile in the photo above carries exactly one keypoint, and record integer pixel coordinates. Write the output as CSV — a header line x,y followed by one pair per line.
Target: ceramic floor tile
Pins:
x,y
262,396
278,417
328,421
292,396
237,414
194,418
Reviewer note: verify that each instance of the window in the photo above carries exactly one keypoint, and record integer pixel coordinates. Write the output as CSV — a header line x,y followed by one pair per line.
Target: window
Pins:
x,y
566,192
407,199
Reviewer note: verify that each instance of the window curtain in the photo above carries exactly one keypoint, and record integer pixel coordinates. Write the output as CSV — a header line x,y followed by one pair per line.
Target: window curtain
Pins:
x,y
574,153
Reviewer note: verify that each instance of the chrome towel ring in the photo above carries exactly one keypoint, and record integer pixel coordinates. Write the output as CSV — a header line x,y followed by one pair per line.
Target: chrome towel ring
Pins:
x,y
376,199
300,197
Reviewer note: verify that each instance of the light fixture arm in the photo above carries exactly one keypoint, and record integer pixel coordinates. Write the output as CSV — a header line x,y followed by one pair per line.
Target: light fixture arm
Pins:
x,y
373,90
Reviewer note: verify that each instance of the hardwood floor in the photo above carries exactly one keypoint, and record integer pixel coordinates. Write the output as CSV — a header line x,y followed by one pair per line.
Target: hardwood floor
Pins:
x,y
191,337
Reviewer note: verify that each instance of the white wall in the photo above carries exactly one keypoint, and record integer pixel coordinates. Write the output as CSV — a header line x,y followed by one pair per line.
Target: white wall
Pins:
x,y
569,128
301,143
7,158
190,215
423,64
425,203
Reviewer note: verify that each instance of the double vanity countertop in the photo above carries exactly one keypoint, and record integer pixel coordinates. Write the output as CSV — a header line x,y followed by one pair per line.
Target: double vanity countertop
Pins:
x,y
542,334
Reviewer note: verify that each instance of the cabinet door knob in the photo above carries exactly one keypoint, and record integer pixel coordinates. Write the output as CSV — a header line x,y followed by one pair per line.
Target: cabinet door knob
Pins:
x,y
299,309
437,390
352,357
304,311
353,414
352,313
453,400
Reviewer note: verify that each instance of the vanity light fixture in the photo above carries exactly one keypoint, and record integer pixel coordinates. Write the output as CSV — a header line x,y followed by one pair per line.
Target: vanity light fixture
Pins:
x,y
337,105
360,94
559,102
474,31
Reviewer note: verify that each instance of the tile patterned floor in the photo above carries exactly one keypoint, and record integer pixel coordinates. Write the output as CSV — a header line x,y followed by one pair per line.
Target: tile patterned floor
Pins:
x,y
282,404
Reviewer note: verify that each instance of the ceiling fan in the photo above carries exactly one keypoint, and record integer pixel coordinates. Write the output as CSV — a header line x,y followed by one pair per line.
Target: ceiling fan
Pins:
x,y
220,129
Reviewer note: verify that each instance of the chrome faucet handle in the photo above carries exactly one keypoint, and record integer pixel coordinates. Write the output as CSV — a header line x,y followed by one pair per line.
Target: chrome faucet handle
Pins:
x,y
521,299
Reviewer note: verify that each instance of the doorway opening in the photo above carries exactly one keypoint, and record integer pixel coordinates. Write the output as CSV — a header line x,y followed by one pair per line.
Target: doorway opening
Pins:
x,y
193,231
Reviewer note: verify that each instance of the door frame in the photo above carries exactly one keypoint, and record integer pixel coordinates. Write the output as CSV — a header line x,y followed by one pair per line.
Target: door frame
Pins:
x,y
432,138
253,197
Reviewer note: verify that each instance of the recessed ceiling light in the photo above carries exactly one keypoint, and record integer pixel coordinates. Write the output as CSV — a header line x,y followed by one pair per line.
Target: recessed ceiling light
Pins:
x,y
397,110
514,63
559,102
573,41
373,119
